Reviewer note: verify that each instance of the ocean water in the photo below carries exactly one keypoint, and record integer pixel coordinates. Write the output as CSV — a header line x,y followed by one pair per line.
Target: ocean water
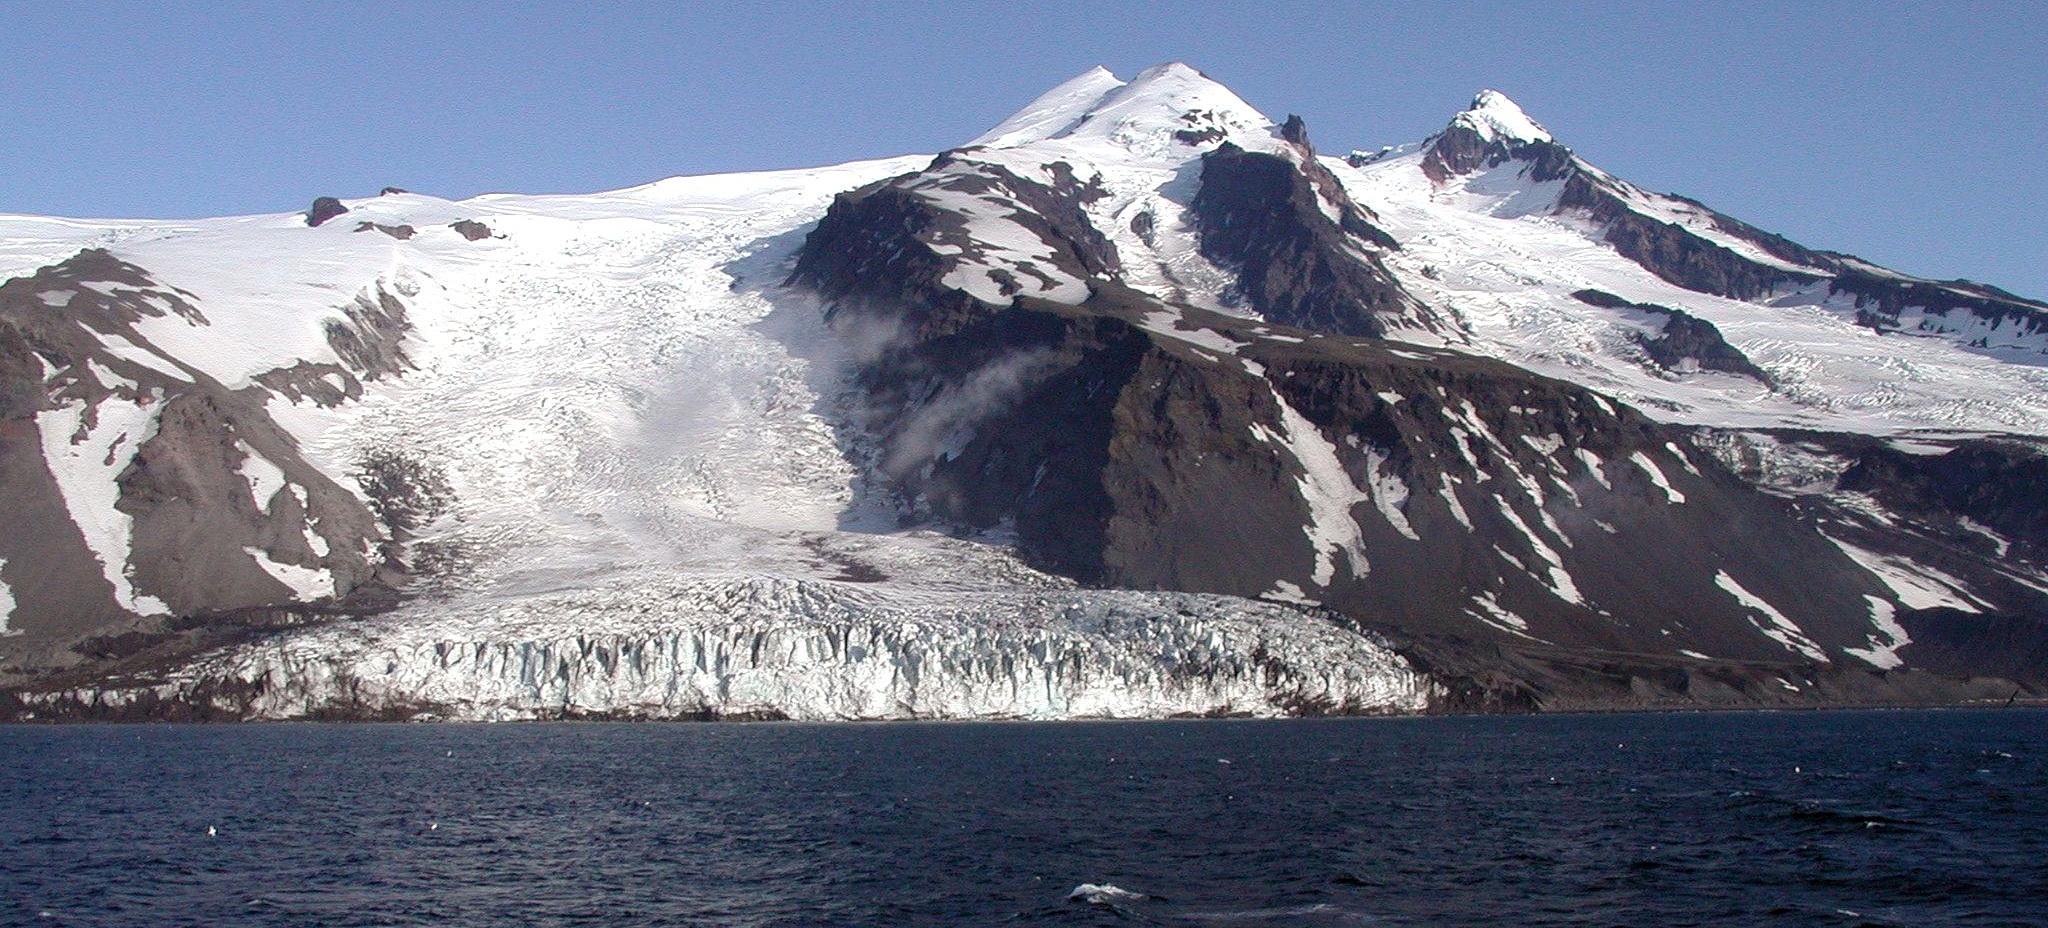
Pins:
x,y
1837,818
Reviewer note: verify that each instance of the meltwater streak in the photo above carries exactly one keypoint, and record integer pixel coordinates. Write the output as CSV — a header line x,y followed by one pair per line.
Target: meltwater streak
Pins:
x,y
1865,818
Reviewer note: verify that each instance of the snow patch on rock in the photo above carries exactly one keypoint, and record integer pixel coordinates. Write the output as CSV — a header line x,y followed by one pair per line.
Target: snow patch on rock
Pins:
x,y
1489,610
1916,585
86,460
6,604
306,583
265,479
1889,636
1327,489
1650,469
1776,626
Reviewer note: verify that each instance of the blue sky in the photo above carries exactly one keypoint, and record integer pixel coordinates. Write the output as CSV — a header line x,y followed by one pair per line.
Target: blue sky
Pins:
x,y
1913,136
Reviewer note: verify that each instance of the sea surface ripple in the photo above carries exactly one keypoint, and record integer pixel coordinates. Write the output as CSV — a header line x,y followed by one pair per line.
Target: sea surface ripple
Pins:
x,y
1808,819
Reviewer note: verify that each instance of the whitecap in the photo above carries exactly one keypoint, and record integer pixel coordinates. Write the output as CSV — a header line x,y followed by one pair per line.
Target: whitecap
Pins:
x,y
1103,894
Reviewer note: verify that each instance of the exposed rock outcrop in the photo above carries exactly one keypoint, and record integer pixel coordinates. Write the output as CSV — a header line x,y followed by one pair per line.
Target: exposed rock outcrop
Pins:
x,y
400,232
1260,214
1685,342
323,209
370,336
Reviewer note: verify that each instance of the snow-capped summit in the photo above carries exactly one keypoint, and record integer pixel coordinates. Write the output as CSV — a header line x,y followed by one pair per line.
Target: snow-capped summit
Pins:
x,y
1491,132
1131,157
1497,118
1053,113
1168,111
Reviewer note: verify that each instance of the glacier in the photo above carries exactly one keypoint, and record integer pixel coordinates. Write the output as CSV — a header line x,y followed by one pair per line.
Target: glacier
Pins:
x,y
775,648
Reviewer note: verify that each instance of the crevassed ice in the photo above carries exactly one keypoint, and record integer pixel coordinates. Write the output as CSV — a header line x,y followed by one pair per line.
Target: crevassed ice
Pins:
x,y
812,650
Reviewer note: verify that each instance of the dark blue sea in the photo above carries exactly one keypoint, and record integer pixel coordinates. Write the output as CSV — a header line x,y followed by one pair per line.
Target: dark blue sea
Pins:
x,y
1808,819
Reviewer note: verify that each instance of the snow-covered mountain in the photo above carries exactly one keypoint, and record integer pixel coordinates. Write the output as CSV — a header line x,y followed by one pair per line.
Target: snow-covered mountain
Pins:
x,y
1134,405
1555,265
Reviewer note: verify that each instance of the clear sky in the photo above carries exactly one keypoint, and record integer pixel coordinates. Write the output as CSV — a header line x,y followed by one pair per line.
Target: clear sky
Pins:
x,y
1915,135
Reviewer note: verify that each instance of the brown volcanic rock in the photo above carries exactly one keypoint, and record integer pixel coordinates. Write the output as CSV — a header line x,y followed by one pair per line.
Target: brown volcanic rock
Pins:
x,y
323,209
400,232
1686,341
196,530
193,514
1258,214
1459,150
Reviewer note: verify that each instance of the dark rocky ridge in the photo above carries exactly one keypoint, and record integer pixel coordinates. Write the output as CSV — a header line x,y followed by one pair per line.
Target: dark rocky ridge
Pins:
x,y
1459,149
1674,252
1259,214
1687,342
1881,299
1126,458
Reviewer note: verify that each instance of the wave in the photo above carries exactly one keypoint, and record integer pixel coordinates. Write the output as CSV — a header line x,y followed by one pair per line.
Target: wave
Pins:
x,y
1106,894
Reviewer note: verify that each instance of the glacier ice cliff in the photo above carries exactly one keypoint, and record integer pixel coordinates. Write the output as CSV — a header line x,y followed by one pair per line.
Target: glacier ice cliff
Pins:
x,y
798,649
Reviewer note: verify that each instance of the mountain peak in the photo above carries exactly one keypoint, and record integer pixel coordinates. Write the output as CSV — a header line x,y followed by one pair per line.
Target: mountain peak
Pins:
x,y
1170,70
1055,112
1497,118
1166,105
1175,82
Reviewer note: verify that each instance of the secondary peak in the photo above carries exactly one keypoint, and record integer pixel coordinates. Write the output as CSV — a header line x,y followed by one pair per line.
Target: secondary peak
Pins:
x,y
1495,117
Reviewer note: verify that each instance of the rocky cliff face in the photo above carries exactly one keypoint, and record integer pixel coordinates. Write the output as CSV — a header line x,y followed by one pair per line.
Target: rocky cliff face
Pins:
x,y
143,488
1269,218
1499,525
